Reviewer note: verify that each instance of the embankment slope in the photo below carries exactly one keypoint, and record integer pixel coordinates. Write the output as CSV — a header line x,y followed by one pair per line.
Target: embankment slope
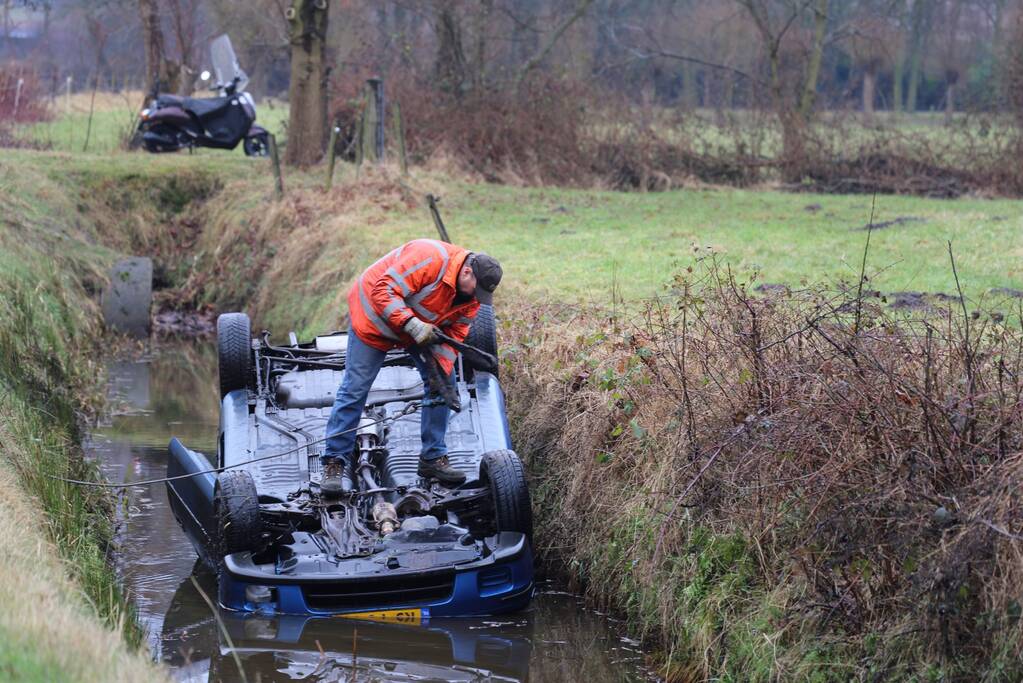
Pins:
x,y
791,485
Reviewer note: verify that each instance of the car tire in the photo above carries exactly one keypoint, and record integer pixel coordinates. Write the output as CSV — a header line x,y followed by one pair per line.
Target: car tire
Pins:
x,y
483,332
234,352
257,145
503,472
236,512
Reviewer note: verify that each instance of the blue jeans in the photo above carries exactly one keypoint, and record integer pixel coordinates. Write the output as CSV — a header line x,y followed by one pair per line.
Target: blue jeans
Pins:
x,y
362,363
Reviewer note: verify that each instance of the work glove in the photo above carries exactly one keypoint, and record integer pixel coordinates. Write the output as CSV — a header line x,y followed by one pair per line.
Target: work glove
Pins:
x,y
423,333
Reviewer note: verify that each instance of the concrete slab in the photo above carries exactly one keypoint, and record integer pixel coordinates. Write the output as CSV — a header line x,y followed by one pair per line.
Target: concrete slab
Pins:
x,y
127,299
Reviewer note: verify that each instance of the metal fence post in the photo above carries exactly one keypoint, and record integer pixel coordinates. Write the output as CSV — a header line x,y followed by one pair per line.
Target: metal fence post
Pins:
x,y
17,97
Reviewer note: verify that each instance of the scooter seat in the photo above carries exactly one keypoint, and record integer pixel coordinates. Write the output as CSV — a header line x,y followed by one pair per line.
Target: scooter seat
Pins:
x,y
168,101
203,107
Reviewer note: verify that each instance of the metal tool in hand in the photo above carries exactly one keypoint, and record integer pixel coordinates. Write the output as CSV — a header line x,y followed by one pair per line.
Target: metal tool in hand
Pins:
x,y
436,379
478,358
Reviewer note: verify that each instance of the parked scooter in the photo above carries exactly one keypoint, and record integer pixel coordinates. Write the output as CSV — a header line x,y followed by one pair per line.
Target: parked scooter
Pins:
x,y
172,123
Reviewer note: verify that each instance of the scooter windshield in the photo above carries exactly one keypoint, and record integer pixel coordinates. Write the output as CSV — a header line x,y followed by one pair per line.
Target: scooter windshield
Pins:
x,y
225,63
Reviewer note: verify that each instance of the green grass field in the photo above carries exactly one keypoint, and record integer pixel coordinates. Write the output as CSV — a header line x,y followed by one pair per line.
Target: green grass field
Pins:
x,y
578,244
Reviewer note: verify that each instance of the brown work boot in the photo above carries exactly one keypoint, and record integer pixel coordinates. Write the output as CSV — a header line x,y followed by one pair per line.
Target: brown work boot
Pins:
x,y
330,480
441,470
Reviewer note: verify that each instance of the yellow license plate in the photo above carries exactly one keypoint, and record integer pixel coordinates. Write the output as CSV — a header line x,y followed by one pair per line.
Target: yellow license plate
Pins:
x,y
410,617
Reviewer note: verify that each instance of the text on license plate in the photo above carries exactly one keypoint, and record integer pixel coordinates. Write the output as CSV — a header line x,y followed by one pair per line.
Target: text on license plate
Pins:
x,y
412,617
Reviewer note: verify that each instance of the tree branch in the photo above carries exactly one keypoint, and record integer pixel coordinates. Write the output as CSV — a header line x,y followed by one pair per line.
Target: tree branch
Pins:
x,y
542,53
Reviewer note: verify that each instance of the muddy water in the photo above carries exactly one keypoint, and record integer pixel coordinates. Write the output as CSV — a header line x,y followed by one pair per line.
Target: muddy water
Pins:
x,y
173,393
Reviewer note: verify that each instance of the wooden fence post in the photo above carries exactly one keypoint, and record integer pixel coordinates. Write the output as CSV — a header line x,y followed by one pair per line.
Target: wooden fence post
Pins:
x,y
359,128
372,138
399,131
332,154
275,165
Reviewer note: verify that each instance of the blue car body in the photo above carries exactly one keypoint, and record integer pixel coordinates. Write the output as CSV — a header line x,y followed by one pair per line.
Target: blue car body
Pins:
x,y
430,567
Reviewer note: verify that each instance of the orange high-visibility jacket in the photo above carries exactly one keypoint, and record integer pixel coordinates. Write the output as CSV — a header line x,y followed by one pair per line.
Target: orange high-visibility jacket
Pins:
x,y
418,279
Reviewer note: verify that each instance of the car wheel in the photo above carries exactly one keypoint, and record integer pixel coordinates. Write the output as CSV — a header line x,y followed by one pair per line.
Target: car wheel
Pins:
x,y
483,333
236,511
234,352
504,473
257,145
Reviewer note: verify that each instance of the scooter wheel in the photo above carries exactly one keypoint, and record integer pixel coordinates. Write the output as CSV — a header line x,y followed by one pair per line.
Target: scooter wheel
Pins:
x,y
257,145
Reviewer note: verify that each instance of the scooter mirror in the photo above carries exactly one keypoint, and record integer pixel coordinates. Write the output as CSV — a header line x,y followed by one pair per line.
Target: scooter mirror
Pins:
x,y
205,76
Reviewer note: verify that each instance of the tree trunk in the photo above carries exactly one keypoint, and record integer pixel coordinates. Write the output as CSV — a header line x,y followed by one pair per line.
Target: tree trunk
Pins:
x,y
307,94
482,25
950,101
869,80
897,76
919,24
161,74
813,68
690,96
449,66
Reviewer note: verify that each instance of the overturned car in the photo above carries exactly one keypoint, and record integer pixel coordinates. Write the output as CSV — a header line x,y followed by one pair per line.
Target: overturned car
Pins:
x,y
392,547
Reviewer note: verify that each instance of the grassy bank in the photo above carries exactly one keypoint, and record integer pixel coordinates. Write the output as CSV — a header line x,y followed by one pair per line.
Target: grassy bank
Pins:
x,y
62,615
805,549
770,490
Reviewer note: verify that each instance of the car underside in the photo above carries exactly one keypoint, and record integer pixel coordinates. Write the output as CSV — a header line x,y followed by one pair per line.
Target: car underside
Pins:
x,y
392,546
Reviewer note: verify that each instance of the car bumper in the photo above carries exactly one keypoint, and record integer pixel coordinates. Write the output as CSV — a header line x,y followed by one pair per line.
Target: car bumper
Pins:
x,y
500,583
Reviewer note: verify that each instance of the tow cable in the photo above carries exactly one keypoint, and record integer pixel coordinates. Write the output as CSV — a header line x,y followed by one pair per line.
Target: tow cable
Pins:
x,y
405,412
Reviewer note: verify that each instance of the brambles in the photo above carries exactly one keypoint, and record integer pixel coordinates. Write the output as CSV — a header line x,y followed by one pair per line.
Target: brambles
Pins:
x,y
809,455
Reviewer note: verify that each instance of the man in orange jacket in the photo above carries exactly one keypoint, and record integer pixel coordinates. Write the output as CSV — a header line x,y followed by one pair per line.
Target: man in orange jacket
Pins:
x,y
403,300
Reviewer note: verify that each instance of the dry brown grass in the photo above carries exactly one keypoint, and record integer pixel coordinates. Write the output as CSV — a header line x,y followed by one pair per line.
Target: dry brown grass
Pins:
x,y
292,263
784,486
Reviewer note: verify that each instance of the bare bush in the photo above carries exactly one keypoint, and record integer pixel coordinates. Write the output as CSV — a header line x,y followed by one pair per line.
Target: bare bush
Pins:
x,y
786,482
22,104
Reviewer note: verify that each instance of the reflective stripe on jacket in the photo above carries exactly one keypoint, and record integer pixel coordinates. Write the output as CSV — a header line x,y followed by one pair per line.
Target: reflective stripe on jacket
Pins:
x,y
420,279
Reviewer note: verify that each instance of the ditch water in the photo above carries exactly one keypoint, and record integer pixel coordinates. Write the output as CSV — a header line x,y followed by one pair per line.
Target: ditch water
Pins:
x,y
173,392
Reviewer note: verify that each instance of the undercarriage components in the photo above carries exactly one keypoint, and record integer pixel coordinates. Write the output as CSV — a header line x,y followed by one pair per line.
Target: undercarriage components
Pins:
x,y
386,517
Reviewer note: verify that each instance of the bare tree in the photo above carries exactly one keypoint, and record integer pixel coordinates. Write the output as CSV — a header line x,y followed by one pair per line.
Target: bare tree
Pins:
x,y
950,55
919,30
307,95
450,65
792,77
552,39
872,40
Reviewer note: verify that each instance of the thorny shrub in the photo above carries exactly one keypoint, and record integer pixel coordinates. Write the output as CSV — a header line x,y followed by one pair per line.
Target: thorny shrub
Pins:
x,y
860,470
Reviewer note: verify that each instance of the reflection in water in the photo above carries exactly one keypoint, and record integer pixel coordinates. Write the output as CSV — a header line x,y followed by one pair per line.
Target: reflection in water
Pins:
x,y
174,393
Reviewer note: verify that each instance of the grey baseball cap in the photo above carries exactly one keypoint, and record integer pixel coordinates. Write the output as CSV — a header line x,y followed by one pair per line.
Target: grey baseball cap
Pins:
x,y
488,275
